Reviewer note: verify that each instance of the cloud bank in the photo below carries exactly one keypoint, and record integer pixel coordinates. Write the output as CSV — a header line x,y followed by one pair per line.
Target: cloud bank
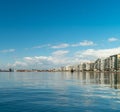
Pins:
x,y
62,58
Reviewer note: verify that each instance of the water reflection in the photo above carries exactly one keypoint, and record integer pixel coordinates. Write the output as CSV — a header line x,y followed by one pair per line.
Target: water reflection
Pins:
x,y
61,79
59,91
105,79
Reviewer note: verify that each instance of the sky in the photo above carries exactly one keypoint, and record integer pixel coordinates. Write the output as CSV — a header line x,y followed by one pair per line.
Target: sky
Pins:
x,y
45,34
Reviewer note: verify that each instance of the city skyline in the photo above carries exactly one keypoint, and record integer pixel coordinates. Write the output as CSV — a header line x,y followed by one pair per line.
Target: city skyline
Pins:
x,y
53,33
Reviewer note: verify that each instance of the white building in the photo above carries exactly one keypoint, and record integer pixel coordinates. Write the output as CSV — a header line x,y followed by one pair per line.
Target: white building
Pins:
x,y
102,64
87,67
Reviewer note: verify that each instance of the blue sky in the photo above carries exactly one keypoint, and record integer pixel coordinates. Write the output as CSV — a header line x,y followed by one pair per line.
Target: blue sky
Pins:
x,y
41,33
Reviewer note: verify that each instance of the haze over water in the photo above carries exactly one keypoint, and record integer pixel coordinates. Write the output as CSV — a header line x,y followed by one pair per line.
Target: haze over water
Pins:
x,y
59,92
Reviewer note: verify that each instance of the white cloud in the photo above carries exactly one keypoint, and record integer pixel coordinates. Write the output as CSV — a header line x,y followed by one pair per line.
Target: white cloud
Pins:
x,y
112,39
84,43
56,59
36,59
7,51
60,52
63,45
61,58
100,53
20,64
39,62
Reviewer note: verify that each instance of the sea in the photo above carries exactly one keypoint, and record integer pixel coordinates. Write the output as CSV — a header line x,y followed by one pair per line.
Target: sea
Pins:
x,y
59,92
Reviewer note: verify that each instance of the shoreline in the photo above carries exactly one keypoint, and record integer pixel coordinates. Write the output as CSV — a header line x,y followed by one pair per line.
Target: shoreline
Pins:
x,y
68,71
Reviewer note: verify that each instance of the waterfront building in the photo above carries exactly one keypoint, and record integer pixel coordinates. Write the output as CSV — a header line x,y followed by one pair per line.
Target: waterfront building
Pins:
x,y
111,63
72,68
91,66
62,68
80,67
67,68
107,64
102,64
87,67
97,65
115,62
118,62
77,68
84,67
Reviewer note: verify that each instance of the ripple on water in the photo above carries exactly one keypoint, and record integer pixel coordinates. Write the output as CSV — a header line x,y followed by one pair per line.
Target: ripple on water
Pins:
x,y
56,92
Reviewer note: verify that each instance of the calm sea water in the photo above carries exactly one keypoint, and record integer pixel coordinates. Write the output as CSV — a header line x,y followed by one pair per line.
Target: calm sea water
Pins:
x,y
59,92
